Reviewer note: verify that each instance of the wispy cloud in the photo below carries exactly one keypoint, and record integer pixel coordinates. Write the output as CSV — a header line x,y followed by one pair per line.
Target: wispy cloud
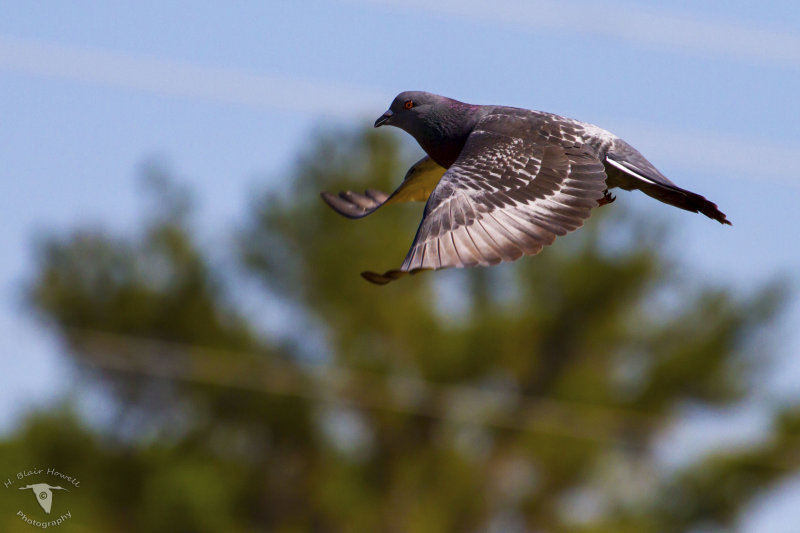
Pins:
x,y
748,158
181,79
644,26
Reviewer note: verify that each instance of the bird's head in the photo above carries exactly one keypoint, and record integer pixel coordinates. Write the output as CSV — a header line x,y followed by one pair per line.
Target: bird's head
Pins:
x,y
410,108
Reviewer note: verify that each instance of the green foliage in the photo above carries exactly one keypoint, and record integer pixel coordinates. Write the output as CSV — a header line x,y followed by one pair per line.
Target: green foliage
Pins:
x,y
453,401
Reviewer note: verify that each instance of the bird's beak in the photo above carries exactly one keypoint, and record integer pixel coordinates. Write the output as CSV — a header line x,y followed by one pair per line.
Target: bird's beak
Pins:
x,y
383,119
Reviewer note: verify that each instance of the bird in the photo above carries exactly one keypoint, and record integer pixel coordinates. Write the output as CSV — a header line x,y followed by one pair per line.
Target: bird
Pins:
x,y
44,494
502,182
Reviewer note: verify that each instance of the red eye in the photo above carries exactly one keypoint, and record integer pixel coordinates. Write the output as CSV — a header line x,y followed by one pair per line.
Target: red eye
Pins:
x,y
409,104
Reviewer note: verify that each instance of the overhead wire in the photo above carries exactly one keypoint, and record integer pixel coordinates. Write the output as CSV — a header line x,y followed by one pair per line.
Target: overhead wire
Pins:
x,y
490,407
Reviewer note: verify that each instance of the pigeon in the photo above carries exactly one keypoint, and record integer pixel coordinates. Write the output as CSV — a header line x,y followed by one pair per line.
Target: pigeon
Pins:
x,y
502,182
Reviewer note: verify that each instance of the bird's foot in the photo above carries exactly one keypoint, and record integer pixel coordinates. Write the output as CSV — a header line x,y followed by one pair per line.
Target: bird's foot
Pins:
x,y
606,199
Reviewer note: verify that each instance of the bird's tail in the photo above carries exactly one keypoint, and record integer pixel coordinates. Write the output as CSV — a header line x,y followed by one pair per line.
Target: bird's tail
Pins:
x,y
629,170
674,195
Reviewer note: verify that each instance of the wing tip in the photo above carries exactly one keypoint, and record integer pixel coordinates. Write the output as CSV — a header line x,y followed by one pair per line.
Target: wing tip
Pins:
x,y
382,279
346,203
336,203
390,275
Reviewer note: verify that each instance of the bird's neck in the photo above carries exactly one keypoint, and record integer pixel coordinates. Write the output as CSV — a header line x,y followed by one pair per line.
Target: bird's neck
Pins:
x,y
447,132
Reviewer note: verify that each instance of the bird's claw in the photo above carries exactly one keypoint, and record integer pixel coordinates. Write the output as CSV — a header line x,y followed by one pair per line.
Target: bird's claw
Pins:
x,y
606,199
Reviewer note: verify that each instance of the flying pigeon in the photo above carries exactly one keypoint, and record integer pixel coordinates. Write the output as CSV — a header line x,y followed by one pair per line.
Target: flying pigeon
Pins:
x,y
503,182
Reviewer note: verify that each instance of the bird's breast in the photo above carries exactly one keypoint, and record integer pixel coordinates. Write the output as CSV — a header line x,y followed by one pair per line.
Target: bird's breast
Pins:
x,y
443,151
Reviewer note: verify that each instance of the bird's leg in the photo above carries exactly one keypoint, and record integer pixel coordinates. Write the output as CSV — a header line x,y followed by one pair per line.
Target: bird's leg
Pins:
x,y
606,199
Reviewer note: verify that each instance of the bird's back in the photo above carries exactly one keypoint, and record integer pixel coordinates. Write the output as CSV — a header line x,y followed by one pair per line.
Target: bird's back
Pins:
x,y
539,126
533,126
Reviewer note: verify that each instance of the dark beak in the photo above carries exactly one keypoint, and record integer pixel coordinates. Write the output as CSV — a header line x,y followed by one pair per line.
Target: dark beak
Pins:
x,y
383,119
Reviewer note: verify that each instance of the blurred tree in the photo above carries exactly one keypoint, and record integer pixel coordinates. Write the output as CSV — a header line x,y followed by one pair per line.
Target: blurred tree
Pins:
x,y
526,397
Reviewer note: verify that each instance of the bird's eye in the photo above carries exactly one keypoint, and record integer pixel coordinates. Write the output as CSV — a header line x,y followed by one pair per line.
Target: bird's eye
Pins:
x,y
409,104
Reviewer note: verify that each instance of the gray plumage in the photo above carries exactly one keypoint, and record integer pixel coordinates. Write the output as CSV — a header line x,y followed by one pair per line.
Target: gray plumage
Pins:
x,y
503,182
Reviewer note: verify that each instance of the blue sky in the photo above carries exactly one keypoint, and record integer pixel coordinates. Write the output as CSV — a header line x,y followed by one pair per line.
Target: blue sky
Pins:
x,y
227,96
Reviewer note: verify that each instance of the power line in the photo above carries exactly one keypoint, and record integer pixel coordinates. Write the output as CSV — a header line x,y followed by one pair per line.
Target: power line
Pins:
x,y
359,389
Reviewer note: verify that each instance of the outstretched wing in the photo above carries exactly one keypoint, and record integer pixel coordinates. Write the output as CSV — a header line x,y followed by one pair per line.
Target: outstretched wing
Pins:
x,y
508,194
417,186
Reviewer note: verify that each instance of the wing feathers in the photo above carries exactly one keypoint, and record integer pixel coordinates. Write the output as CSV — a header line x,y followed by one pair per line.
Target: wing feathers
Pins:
x,y
418,183
472,219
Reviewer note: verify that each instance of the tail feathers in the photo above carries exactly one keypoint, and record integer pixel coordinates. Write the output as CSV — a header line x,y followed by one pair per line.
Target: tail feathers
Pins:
x,y
628,169
673,195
